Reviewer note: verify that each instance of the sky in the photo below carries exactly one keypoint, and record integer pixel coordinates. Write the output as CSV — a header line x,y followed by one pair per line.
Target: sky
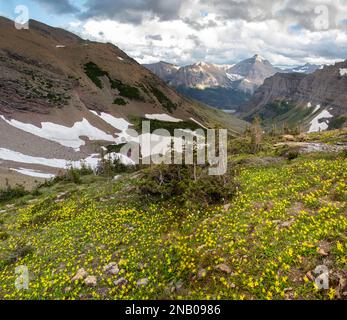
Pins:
x,y
286,32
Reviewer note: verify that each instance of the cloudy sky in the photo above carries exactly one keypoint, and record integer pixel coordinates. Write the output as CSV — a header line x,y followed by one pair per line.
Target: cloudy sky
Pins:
x,y
287,32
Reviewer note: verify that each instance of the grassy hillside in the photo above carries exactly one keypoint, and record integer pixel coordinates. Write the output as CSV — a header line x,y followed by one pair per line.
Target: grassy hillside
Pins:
x,y
102,239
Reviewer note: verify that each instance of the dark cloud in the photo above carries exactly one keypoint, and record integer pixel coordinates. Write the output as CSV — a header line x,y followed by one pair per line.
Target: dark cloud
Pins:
x,y
58,6
305,13
132,11
198,25
156,37
195,39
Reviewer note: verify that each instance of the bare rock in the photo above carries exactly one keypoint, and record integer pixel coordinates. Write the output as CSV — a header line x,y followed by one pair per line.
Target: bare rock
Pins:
x,y
288,137
111,269
287,224
324,248
90,281
120,282
224,268
226,207
80,275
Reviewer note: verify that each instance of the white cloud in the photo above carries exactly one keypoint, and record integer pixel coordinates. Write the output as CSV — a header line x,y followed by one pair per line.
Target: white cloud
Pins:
x,y
226,32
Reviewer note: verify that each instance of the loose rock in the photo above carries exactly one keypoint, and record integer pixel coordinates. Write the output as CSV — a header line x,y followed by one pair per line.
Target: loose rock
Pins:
x,y
90,281
111,269
120,282
81,274
224,268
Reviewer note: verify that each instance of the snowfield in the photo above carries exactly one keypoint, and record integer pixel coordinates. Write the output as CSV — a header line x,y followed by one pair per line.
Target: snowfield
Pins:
x,y
66,136
316,125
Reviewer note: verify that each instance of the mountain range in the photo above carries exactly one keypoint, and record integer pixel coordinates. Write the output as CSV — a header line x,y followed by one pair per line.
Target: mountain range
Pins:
x,y
221,86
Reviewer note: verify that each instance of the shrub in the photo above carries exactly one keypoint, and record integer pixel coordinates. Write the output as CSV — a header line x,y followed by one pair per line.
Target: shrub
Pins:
x,y
126,90
120,101
110,167
20,251
11,193
164,100
70,175
94,72
337,123
292,155
288,152
187,184
3,235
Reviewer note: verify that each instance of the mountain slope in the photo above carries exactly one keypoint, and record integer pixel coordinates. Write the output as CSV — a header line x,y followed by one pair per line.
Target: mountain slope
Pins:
x,y
62,97
316,101
200,75
164,70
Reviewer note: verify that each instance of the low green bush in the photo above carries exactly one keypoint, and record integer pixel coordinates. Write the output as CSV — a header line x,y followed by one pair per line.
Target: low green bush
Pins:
x,y
10,193
120,101
187,185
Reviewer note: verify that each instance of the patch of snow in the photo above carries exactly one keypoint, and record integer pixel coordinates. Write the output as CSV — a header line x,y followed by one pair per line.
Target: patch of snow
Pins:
x,y
343,72
316,125
120,58
66,136
60,46
197,122
34,173
9,155
223,66
317,107
201,64
309,105
162,117
118,123
234,76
